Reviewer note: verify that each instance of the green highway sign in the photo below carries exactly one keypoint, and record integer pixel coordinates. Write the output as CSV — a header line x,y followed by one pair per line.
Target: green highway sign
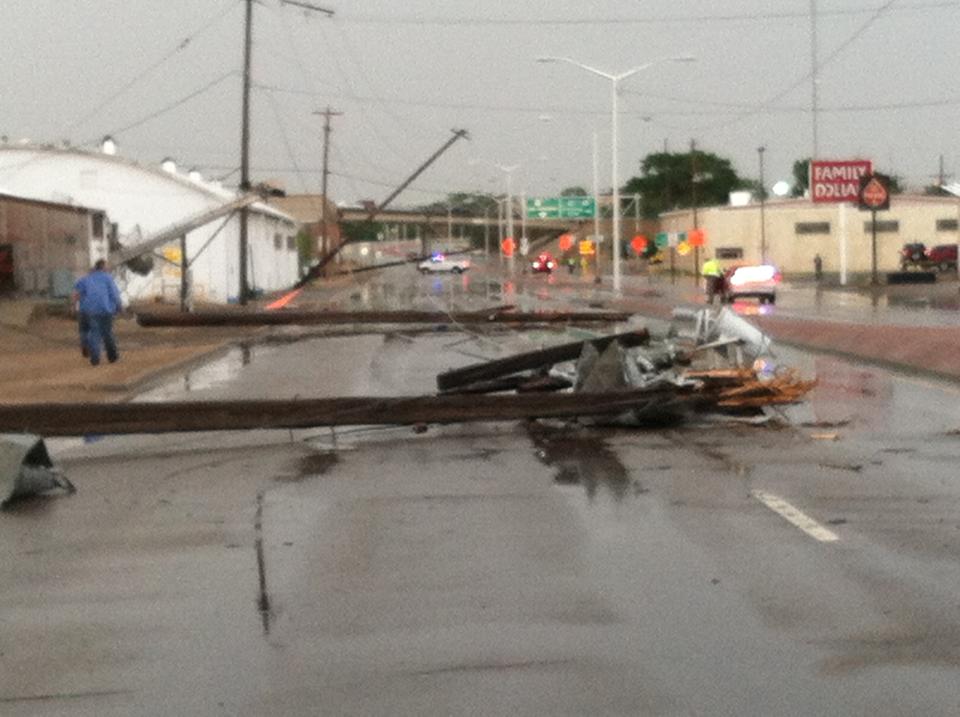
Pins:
x,y
577,207
543,208
561,208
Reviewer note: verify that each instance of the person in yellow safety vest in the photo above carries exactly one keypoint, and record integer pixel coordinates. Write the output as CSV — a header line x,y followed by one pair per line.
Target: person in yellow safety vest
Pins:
x,y
713,277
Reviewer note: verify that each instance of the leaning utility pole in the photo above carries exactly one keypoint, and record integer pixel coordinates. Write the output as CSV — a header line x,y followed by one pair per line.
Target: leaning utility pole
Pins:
x,y
328,257
327,114
245,135
457,134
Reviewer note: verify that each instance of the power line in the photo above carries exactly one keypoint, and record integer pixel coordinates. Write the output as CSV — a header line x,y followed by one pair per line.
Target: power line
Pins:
x,y
364,119
751,108
182,45
317,170
173,105
877,13
286,141
633,20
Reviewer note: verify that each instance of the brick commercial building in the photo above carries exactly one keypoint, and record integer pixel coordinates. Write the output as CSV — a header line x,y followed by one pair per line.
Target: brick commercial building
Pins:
x,y
45,246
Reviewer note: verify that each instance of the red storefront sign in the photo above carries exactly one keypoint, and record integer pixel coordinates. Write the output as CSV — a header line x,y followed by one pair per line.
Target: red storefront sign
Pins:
x,y
838,181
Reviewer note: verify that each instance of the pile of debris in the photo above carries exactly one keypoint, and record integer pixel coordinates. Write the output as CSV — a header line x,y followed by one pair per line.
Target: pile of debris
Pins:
x,y
710,361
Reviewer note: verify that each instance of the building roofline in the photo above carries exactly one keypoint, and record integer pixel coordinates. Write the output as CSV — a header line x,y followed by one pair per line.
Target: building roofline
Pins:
x,y
77,208
803,202
220,194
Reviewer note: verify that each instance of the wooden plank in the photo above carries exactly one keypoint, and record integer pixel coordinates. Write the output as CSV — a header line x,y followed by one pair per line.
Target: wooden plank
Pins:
x,y
74,419
285,317
476,373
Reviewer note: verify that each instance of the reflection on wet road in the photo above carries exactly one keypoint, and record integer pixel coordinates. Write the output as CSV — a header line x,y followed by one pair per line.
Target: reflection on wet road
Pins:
x,y
519,568
582,457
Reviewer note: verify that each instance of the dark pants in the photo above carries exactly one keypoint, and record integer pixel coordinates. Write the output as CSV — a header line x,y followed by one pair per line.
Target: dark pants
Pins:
x,y
99,331
714,286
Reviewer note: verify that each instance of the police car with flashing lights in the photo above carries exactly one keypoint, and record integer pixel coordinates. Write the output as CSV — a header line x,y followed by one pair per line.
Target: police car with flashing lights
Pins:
x,y
440,263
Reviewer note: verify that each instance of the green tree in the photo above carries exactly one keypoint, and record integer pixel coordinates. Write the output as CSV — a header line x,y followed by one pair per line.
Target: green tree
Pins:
x,y
801,177
574,192
675,180
361,231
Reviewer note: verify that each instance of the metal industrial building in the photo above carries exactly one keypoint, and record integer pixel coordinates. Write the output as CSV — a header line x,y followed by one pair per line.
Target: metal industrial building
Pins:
x,y
144,200
796,230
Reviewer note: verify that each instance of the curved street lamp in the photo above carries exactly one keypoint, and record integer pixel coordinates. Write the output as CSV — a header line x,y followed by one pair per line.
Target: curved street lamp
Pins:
x,y
615,80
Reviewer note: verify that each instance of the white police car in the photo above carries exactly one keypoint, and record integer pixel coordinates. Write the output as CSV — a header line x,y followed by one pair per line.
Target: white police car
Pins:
x,y
439,263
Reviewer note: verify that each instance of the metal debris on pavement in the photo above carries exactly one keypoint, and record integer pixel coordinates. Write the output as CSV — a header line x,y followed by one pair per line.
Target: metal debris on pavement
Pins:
x,y
26,469
709,361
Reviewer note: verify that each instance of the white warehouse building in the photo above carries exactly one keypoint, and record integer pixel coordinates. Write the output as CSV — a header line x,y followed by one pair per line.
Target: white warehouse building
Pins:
x,y
143,200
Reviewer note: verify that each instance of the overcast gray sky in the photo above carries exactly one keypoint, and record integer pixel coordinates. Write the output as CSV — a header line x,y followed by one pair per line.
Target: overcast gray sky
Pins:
x,y
405,73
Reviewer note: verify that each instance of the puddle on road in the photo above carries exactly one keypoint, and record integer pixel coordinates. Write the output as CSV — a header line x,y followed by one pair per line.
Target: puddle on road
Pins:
x,y
207,375
310,466
583,458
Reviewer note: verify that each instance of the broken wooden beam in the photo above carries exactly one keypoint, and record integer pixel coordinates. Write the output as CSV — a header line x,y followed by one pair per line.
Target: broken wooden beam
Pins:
x,y
75,419
532,360
521,382
285,317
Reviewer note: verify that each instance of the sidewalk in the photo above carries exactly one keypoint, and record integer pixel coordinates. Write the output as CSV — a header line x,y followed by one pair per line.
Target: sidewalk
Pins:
x,y
42,360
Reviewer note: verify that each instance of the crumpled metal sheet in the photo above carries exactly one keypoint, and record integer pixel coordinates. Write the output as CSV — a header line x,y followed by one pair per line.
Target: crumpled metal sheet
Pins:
x,y
26,468
711,326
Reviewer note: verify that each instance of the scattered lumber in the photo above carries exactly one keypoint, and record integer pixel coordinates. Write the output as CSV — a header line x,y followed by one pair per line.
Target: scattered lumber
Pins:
x,y
289,317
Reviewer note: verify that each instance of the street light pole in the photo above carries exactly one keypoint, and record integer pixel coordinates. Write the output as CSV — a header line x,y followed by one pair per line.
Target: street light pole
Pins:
x,y
763,217
614,164
508,171
596,211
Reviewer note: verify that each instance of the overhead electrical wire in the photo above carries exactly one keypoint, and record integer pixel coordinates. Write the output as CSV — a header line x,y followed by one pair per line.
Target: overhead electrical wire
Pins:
x,y
343,175
182,45
173,105
364,119
820,64
752,107
718,17
286,141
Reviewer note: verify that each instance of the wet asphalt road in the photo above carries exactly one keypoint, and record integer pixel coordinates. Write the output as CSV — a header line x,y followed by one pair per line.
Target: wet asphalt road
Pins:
x,y
709,569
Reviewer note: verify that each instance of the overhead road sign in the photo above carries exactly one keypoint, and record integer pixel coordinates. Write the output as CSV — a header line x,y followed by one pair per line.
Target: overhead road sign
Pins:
x,y
561,208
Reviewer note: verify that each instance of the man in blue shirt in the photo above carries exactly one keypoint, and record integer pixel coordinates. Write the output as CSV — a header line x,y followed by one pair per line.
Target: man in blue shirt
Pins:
x,y
98,300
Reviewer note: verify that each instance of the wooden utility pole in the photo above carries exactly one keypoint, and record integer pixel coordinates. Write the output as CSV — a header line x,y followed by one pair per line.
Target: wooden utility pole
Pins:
x,y
327,114
244,290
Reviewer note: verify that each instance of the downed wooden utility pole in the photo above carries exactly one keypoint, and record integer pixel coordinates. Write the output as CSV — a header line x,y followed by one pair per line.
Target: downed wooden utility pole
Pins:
x,y
277,318
75,419
531,360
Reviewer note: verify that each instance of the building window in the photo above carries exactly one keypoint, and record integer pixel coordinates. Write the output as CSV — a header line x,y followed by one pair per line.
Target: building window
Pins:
x,y
291,243
729,252
946,225
889,226
812,227
277,242
98,226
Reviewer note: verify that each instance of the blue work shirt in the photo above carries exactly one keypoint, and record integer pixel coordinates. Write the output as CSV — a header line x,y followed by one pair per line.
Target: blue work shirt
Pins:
x,y
98,293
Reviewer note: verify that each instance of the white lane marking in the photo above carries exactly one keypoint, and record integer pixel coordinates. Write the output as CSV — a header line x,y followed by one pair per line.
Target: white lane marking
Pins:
x,y
796,516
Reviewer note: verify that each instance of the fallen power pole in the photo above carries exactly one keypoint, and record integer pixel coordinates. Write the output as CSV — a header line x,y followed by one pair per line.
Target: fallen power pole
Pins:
x,y
285,317
532,360
75,419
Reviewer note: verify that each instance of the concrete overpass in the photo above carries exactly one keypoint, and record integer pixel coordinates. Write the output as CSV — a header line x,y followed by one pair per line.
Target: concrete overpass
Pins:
x,y
419,218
